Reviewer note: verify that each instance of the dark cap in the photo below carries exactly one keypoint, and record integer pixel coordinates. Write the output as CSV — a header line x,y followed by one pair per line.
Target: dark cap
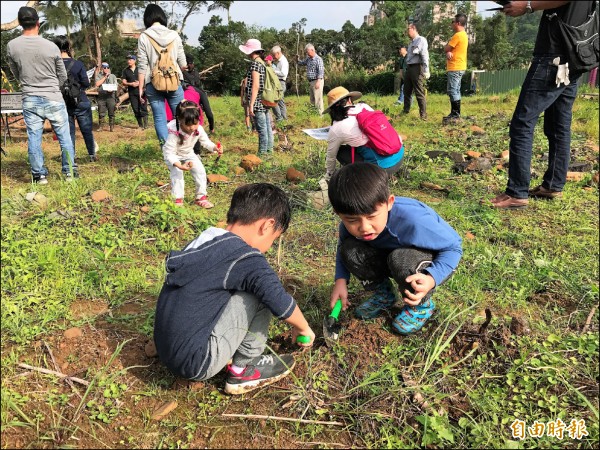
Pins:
x,y
27,16
131,57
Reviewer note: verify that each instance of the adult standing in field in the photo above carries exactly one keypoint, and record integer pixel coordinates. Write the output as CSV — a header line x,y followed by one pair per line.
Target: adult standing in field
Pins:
x,y
106,82
130,80
281,67
82,111
550,89
157,33
417,61
315,72
400,69
456,63
255,83
37,64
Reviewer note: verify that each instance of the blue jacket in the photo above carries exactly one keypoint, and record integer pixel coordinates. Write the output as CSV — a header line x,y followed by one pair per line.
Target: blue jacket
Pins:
x,y
413,224
199,282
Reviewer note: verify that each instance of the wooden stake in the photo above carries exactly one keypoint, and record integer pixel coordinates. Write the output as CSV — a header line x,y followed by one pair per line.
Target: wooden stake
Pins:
x,y
589,319
52,372
285,419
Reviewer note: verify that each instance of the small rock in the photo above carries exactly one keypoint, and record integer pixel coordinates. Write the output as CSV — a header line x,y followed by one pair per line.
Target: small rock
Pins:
x,y
581,167
99,196
456,157
469,235
477,130
476,165
164,409
505,155
434,154
471,154
318,199
250,162
216,178
160,183
596,178
575,176
150,349
145,209
37,199
293,175
239,171
519,326
72,333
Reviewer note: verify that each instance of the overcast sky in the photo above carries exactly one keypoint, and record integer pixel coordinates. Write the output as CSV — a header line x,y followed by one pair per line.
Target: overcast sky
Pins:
x,y
277,14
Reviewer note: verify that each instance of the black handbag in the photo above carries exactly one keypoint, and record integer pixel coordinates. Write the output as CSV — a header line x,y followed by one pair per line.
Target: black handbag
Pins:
x,y
583,42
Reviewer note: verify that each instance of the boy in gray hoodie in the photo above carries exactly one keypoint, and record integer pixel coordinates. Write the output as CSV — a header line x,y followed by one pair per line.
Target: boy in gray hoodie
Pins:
x,y
220,293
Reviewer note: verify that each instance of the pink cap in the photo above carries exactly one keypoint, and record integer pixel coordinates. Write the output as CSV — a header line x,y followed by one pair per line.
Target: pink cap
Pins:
x,y
251,46
269,58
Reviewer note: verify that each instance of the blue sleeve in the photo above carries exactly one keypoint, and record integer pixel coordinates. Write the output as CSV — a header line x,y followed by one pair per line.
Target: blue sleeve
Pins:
x,y
252,273
340,269
82,75
422,227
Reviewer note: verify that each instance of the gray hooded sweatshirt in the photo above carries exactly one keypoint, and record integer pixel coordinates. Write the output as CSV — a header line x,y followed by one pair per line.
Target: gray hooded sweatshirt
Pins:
x,y
147,55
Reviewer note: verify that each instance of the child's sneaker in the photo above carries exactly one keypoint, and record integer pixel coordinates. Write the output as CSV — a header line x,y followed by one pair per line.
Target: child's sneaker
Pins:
x,y
381,300
262,371
203,202
412,318
178,202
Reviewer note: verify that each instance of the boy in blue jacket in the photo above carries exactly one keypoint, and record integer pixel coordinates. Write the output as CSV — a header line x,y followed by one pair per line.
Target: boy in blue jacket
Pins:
x,y
383,237
220,293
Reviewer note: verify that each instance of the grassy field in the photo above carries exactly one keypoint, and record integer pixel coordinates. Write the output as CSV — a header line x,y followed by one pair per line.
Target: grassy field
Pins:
x,y
515,337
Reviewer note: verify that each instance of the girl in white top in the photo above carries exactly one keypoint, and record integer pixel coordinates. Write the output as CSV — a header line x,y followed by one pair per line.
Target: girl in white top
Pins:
x,y
179,155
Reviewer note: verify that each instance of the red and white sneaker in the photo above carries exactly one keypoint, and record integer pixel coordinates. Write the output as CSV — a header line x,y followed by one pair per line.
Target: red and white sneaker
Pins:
x,y
262,371
178,202
203,202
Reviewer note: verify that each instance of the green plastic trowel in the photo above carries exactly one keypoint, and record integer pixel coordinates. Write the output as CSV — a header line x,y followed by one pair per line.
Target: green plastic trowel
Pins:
x,y
331,326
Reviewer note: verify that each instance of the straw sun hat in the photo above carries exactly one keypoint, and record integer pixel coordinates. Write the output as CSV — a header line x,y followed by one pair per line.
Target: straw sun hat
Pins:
x,y
340,93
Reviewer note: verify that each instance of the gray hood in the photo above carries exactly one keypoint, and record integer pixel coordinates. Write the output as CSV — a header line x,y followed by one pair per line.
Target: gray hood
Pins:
x,y
161,34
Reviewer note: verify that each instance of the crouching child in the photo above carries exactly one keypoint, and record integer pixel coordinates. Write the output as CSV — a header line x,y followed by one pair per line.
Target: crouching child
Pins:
x,y
220,293
383,237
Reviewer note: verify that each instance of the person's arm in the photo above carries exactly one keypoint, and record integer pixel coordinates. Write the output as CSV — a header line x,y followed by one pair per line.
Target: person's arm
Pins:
x,y
180,54
342,274
205,104
255,88
101,78
300,327
142,63
61,70
333,146
170,148
303,62
517,8
14,67
424,55
451,46
205,141
320,73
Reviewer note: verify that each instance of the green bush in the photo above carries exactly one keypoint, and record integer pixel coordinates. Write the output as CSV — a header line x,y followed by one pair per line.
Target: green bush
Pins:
x,y
381,83
353,80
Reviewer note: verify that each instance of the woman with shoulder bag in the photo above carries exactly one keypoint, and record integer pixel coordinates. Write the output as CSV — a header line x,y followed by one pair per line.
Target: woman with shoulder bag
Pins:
x,y
158,35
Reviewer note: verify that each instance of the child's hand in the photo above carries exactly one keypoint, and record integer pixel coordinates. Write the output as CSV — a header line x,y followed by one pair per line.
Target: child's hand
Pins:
x,y
307,332
340,291
421,284
187,166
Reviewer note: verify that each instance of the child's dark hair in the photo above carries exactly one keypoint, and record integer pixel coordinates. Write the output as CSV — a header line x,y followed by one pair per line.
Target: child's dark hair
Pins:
x,y
64,45
252,202
357,189
187,112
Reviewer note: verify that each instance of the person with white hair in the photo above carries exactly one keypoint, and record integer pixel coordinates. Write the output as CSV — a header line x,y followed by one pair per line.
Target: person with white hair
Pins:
x,y
315,72
281,67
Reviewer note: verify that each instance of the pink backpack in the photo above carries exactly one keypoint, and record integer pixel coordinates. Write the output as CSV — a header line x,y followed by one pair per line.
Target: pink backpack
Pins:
x,y
189,94
382,137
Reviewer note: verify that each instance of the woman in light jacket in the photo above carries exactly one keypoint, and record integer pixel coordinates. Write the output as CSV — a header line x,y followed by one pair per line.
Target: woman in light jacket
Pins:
x,y
155,22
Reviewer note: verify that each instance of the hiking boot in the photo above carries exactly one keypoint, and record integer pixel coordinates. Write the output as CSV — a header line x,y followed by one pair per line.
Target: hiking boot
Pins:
x,y
382,300
40,179
542,192
262,371
504,201
412,318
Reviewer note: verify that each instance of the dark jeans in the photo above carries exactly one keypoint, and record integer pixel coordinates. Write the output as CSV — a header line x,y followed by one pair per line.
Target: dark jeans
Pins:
x,y
139,109
373,265
83,115
414,80
539,94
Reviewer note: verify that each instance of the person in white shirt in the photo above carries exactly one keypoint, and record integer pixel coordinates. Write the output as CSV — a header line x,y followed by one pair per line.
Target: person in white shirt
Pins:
x,y
346,142
178,152
281,67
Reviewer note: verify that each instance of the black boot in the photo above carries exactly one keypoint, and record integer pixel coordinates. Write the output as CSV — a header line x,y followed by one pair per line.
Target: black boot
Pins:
x,y
111,123
139,121
451,115
457,108
145,122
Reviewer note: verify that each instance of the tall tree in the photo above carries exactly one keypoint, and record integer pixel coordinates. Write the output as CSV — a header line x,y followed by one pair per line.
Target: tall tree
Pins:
x,y
226,5
190,7
15,23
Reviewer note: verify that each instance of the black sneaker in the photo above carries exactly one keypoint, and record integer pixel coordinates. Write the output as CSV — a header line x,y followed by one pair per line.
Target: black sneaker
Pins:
x,y
40,179
262,371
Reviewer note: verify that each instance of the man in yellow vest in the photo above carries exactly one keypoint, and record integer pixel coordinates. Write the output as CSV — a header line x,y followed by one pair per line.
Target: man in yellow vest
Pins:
x,y
456,63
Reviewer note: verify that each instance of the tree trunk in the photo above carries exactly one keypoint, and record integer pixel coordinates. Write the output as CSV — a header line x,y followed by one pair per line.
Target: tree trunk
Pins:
x,y
96,30
15,23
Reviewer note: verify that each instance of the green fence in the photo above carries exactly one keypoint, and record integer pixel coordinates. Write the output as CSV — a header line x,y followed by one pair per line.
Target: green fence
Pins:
x,y
506,80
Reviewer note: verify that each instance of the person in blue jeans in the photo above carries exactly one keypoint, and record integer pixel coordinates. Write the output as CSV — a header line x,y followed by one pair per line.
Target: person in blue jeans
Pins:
x,y
255,83
547,89
83,111
383,237
155,21
37,64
